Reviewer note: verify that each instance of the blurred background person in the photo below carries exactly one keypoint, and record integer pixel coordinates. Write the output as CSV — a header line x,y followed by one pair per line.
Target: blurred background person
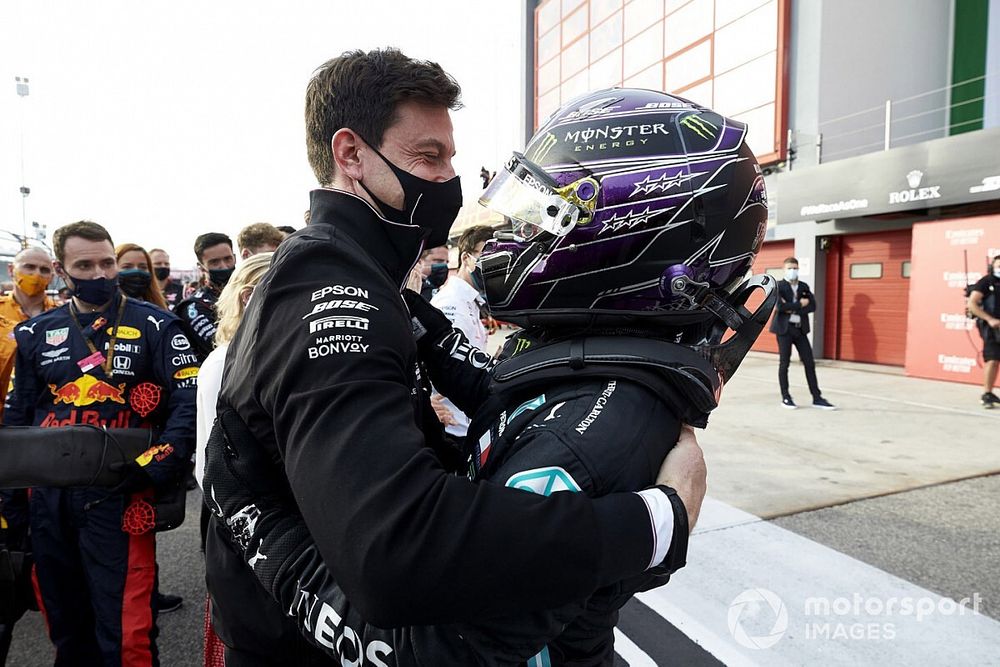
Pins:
x,y
984,303
232,302
173,291
462,301
134,276
197,312
434,267
230,306
287,230
258,237
31,271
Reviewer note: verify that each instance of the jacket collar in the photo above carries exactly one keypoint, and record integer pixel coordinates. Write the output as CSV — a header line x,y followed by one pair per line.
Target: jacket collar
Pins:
x,y
394,246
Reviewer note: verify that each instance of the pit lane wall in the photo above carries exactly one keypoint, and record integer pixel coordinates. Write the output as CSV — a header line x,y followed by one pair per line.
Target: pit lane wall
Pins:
x,y
942,344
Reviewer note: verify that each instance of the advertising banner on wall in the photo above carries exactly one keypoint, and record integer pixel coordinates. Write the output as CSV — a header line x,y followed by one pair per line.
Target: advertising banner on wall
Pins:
x,y
955,170
942,343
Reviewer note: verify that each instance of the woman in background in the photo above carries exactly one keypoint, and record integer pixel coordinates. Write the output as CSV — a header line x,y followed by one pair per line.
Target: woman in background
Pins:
x,y
230,306
135,276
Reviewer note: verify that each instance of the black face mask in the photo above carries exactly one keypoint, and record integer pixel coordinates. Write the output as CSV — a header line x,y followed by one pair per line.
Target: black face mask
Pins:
x,y
162,272
438,274
95,291
219,277
429,205
134,282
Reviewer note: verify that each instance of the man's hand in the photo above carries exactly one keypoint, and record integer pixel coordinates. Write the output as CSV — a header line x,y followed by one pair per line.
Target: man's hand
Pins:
x,y
993,322
804,302
684,470
443,414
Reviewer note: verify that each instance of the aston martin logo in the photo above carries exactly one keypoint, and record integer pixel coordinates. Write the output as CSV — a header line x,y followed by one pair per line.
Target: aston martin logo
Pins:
x,y
663,183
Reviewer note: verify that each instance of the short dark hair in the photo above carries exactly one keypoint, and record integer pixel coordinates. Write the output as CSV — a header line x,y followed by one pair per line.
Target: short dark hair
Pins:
x,y
208,240
995,259
287,229
472,237
790,260
85,229
361,91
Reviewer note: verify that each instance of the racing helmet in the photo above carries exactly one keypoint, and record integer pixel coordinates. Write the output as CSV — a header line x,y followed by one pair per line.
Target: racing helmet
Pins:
x,y
629,207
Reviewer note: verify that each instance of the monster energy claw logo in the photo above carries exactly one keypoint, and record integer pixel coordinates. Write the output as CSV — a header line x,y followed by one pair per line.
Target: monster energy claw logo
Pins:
x,y
700,126
542,149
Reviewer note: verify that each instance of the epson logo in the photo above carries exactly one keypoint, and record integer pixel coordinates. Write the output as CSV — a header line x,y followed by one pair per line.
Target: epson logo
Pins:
x,y
339,322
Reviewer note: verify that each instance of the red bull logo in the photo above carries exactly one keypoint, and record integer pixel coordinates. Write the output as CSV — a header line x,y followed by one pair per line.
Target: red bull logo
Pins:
x,y
86,390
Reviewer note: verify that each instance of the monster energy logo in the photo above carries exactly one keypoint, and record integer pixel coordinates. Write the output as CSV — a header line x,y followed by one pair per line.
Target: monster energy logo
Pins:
x,y
542,149
522,345
700,126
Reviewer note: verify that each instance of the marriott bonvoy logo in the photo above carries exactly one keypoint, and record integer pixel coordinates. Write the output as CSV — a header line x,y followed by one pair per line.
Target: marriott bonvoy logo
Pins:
x,y
915,193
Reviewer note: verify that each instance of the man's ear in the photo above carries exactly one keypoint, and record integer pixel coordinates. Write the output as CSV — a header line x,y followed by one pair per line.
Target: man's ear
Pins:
x,y
346,145
245,253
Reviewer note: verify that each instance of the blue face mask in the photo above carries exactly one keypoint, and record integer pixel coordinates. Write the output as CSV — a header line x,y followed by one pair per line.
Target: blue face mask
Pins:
x,y
95,291
996,273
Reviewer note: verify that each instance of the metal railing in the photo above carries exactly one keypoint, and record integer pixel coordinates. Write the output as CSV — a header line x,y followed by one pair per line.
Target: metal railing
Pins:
x,y
899,122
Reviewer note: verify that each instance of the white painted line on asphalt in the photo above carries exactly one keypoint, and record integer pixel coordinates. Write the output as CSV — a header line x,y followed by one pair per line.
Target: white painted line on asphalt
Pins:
x,y
803,603
633,655
708,639
883,399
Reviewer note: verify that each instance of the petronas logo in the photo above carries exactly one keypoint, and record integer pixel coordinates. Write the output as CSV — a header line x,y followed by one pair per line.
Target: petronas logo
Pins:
x,y
540,151
700,126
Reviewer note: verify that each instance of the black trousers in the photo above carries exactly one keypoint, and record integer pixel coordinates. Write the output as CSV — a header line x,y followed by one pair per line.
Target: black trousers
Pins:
x,y
801,342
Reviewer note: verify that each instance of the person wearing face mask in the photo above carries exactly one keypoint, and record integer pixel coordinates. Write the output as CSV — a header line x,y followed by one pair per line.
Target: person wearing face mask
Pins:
x,y
109,361
461,301
791,325
323,374
31,273
173,292
434,268
134,277
984,304
197,312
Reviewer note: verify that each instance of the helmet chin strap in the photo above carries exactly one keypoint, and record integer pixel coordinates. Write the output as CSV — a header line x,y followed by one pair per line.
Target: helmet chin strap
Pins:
x,y
701,295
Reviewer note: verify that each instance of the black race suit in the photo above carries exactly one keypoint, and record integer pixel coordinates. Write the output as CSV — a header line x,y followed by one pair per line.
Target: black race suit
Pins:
x,y
199,319
95,581
323,370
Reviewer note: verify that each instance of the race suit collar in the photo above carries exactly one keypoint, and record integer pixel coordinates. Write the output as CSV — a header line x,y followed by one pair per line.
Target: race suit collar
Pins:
x,y
396,247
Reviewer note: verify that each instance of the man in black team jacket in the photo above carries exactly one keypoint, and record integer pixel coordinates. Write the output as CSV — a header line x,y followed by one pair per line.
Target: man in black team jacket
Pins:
x,y
197,313
382,524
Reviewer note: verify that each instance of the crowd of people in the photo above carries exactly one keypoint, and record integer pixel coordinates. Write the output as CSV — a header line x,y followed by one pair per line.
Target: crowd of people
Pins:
x,y
120,346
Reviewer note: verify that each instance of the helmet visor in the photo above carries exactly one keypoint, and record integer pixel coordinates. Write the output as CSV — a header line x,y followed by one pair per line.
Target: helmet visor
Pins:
x,y
526,195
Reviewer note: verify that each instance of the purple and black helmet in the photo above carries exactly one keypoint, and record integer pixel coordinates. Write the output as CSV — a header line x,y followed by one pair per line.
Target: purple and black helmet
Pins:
x,y
627,206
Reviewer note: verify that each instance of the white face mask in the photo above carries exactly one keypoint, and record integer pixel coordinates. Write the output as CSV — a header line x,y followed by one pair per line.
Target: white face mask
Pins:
x,y
996,272
791,275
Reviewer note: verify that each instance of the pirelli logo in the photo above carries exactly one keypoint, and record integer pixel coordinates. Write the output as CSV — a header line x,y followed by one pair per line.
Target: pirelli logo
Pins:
x,y
339,322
